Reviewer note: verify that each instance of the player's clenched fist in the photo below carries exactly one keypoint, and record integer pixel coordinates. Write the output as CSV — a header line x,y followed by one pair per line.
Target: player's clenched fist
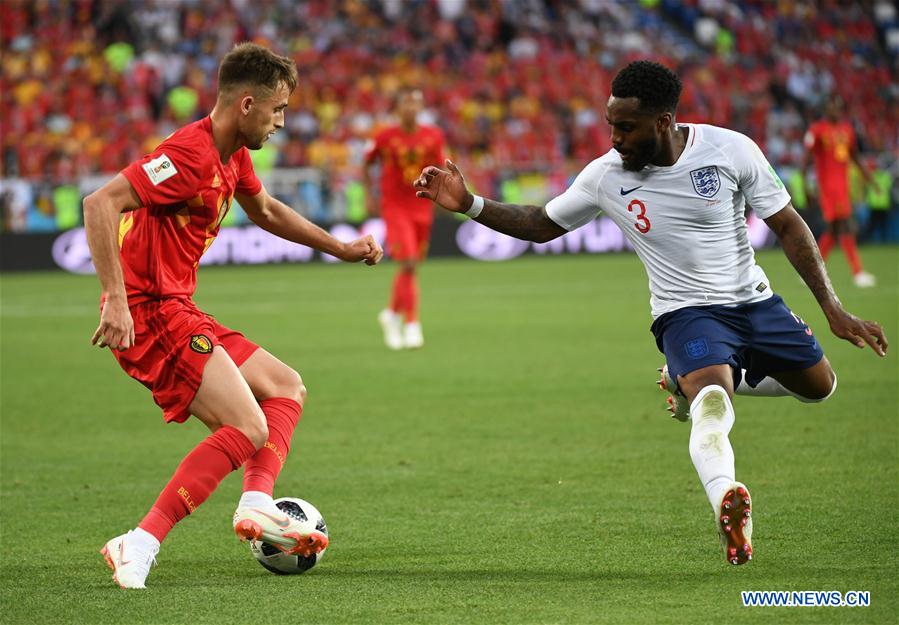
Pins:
x,y
365,248
446,187
116,329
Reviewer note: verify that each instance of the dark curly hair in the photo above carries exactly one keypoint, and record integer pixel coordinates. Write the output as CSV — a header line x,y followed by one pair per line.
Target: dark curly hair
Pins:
x,y
656,86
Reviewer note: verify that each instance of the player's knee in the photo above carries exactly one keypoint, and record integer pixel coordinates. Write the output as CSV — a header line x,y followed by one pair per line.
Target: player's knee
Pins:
x,y
291,386
712,409
282,382
820,391
692,385
288,383
300,396
255,430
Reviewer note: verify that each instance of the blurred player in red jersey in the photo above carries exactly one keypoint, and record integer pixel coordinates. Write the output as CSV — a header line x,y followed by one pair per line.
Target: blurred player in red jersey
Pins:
x,y
831,145
173,201
403,150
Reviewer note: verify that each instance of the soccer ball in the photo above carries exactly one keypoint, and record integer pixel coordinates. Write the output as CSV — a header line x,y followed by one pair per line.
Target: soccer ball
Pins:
x,y
281,563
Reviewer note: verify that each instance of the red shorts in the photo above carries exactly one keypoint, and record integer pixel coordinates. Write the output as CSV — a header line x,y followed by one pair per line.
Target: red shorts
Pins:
x,y
173,342
835,204
408,235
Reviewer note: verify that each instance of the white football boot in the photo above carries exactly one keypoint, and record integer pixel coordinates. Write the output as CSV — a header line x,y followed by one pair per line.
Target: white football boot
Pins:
x,y
129,559
392,325
281,530
678,405
864,280
412,336
735,524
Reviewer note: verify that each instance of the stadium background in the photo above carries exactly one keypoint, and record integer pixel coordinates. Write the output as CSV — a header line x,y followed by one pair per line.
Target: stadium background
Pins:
x,y
519,469
518,86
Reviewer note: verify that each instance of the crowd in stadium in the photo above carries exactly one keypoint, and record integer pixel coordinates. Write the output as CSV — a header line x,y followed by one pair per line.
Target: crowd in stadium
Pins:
x,y
517,85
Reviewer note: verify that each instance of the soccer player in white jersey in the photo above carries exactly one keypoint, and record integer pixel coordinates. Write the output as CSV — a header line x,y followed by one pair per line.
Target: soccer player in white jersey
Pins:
x,y
679,192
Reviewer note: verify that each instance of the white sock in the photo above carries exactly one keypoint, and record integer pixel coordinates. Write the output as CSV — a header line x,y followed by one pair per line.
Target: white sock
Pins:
x,y
144,539
712,415
769,387
255,499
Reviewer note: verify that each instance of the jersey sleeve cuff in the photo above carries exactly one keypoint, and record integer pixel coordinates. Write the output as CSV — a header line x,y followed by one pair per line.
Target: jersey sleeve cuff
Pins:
x,y
132,176
773,207
554,209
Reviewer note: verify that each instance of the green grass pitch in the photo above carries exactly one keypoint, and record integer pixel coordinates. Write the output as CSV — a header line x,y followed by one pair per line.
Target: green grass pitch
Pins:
x,y
518,469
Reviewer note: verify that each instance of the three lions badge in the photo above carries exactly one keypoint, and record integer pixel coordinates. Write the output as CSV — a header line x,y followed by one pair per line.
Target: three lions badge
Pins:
x,y
706,181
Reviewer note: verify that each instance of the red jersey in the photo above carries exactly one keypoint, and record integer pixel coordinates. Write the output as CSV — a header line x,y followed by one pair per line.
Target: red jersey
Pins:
x,y
403,155
831,145
185,191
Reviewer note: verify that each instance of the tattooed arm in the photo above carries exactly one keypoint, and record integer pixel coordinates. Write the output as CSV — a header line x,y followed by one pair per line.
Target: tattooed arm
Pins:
x,y
447,188
802,251
522,222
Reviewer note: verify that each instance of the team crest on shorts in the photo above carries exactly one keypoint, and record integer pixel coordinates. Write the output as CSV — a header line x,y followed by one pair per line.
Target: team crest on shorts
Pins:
x,y
706,181
200,343
697,348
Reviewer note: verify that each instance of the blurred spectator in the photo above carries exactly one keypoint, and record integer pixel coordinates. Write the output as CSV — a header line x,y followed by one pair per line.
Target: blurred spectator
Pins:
x,y
879,201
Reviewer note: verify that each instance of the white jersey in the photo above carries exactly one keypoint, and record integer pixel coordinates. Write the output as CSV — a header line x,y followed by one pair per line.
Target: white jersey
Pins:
x,y
686,221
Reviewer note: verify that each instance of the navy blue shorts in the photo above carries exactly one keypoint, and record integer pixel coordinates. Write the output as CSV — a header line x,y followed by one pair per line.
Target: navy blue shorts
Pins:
x,y
762,337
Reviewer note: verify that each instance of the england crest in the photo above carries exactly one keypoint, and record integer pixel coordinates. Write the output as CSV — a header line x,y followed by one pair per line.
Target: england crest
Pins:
x,y
706,181
697,348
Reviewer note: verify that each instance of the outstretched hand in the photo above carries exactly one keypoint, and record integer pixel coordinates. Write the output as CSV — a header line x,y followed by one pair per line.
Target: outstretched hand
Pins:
x,y
858,331
364,248
446,187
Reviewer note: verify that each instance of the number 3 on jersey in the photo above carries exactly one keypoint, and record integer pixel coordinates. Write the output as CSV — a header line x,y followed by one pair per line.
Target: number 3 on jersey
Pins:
x,y
642,224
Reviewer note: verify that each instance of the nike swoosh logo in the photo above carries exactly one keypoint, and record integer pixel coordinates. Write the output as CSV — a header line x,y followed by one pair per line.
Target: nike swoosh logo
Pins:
x,y
626,191
122,561
282,523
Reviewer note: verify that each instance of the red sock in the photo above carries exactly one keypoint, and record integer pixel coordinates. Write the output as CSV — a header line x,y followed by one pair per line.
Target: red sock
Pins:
x,y
261,471
196,477
847,241
398,296
825,244
412,301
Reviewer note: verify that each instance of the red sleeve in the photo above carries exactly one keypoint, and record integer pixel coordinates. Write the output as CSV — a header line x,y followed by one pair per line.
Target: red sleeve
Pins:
x,y
168,175
248,182
373,146
811,137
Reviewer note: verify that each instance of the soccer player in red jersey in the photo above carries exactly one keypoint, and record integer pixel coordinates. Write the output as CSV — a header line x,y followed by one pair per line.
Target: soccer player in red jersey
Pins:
x,y
831,145
403,150
147,229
